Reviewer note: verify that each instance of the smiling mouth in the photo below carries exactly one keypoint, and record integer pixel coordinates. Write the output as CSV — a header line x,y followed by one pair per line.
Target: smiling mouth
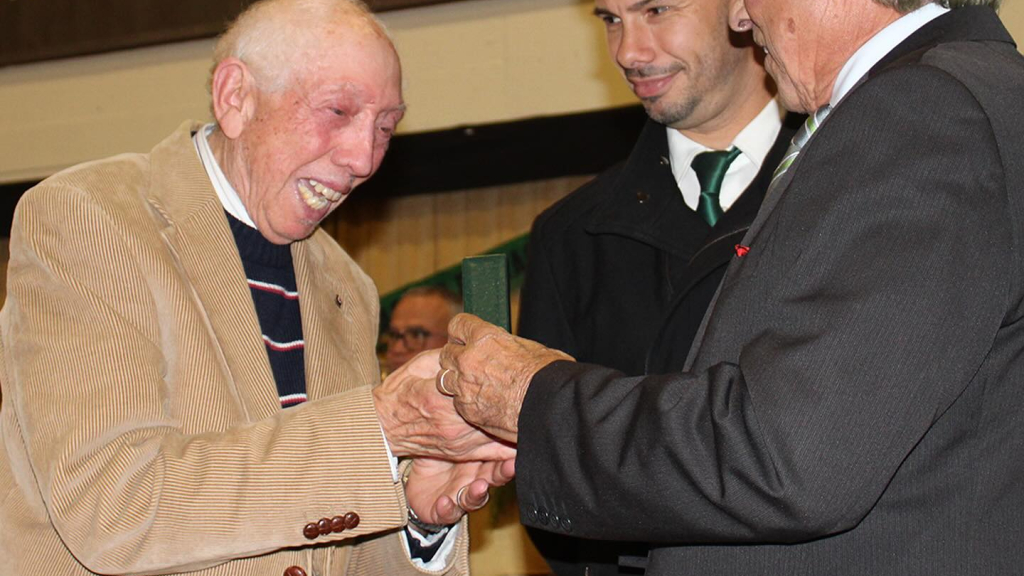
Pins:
x,y
316,195
650,87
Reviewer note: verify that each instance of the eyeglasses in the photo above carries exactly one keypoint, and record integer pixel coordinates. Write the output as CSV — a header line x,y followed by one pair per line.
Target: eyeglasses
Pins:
x,y
414,337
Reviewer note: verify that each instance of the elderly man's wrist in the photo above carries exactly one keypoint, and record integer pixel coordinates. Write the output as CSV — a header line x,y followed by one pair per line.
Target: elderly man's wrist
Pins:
x,y
425,528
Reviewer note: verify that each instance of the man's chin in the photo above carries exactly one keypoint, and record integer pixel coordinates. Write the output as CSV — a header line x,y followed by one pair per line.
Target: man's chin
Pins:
x,y
673,116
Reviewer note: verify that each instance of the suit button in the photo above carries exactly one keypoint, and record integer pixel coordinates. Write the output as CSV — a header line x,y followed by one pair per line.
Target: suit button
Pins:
x,y
294,571
554,520
531,515
337,524
642,197
567,525
351,520
324,526
311,531
542,517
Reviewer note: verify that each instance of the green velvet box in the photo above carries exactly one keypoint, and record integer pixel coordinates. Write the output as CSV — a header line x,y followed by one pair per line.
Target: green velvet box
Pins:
x,y
485,288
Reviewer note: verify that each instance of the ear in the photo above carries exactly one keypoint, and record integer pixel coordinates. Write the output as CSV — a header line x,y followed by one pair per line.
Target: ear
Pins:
x,y
739,20
233,90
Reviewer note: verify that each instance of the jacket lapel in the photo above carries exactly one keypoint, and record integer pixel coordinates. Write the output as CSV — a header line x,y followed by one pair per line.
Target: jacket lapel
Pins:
x,y
198,236
339,349
720,245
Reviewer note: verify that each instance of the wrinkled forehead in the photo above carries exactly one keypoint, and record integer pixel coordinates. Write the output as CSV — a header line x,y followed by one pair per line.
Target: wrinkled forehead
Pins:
x,y
363,70
382,95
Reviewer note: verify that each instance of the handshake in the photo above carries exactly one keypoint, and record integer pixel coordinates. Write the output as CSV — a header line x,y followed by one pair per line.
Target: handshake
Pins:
x,y
454,412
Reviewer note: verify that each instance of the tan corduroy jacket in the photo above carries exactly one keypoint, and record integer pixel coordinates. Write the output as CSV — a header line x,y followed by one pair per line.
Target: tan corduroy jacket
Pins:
x,y
140,428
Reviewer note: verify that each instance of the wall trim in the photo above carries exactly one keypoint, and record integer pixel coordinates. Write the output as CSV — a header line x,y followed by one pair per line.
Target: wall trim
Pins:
x,y
479,156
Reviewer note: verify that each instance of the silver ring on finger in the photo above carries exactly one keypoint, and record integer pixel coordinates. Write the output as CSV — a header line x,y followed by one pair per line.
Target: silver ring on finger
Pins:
x,y
460,504
441,387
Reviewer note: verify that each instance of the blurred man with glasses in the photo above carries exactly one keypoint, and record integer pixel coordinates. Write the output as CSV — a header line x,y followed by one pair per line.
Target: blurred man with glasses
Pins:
x,y
419,322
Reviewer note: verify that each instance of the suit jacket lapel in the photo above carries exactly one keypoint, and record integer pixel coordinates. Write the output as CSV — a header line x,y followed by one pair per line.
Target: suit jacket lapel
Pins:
x,y
736,226
772,197
731,229
197,234
331,366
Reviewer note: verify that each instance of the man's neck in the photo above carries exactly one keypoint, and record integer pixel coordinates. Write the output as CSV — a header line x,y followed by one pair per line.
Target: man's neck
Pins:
x,y
225,154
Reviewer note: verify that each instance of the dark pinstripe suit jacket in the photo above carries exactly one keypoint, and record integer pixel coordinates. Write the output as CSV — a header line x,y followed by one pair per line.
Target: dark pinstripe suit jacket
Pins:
x,y
855,402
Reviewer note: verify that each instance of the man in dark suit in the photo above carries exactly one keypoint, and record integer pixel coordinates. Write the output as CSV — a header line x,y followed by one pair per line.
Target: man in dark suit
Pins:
x,y
634,252
853,402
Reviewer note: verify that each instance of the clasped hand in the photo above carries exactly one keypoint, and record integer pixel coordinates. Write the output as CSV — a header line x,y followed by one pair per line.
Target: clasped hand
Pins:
x,y
453,462
487,371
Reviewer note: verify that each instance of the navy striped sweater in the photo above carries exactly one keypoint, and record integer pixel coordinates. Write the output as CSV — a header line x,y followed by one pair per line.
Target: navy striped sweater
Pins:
x,y
271,276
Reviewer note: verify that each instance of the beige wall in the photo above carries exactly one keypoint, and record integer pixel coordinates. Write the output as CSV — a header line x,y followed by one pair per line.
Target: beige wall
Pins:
x,y
467,62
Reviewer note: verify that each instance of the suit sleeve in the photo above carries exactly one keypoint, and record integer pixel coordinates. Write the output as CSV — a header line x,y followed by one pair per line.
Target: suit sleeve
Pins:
x,y
890,251
126,487
542,313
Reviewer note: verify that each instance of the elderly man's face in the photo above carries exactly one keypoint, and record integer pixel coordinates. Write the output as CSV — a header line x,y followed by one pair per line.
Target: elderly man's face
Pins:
x,y
307,147
677,55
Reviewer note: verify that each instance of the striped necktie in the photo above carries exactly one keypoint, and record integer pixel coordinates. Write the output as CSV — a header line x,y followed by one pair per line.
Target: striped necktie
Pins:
x,y
710,168
801,138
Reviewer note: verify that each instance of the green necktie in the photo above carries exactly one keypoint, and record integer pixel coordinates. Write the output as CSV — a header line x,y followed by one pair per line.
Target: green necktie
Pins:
x,y
711,168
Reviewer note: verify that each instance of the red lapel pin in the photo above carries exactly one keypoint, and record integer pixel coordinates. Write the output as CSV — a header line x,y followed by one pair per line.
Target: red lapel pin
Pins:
x,y
742,250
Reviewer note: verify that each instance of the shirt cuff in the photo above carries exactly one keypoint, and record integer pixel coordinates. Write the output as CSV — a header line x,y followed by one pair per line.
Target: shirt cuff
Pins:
x,y
391,457
430,552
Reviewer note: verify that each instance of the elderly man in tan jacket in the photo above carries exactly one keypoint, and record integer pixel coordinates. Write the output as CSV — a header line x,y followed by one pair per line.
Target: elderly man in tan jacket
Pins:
x,y
188,363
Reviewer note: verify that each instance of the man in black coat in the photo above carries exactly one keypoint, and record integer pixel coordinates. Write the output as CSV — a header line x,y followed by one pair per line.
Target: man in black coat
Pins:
x,y
630,254
853,402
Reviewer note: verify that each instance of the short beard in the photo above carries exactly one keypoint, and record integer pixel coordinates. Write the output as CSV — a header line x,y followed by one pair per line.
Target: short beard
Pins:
x,y
672,114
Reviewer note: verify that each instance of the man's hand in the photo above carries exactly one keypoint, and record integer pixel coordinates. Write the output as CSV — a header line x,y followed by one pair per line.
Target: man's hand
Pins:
x,y
441,492
419,421
487,371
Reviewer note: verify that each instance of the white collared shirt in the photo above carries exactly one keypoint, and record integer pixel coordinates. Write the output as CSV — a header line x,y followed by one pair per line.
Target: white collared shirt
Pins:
x,y
754,142
225,191
879,45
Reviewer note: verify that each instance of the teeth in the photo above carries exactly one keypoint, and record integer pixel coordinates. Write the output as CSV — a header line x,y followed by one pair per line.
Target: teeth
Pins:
x,y
311,199
329,193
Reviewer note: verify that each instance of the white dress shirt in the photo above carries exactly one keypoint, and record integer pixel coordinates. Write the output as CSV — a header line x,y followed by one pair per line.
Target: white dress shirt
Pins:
x,y
879,45
754,142
225,191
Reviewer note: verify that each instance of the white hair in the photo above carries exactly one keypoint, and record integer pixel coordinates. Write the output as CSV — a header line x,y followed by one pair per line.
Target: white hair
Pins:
x,y
274,37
